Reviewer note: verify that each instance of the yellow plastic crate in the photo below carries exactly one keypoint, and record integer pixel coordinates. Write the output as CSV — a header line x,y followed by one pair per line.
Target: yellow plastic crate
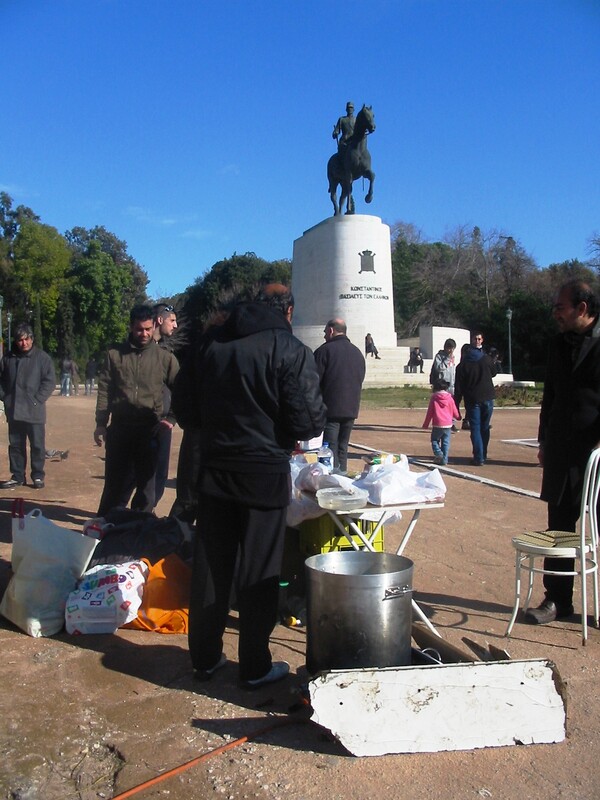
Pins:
x,y
320,535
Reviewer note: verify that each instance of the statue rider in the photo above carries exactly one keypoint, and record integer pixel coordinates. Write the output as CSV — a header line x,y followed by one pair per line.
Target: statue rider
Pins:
x,y
344,128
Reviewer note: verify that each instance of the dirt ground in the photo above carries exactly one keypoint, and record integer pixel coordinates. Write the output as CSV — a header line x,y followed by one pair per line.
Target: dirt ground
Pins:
x,y
93,716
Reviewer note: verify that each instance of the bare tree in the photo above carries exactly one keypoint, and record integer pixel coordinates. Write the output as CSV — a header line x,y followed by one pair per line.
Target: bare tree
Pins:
x,y
407,231
594,250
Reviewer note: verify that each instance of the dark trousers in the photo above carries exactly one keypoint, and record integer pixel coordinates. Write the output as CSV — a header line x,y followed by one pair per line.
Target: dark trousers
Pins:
x,y
163,454
337,434
18,434
188,471
242,544
561,517
130,449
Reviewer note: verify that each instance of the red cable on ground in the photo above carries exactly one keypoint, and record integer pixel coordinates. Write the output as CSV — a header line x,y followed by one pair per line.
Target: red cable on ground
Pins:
x,y
280,723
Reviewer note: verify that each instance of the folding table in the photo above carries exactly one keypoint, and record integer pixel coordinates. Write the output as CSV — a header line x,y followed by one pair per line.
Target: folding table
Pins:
x,y
351,518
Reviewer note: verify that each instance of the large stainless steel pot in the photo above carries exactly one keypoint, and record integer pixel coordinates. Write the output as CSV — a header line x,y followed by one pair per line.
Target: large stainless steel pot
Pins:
x,y
359,611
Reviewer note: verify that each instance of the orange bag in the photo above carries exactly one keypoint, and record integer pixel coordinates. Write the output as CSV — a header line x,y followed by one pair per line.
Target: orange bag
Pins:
x,y
166,599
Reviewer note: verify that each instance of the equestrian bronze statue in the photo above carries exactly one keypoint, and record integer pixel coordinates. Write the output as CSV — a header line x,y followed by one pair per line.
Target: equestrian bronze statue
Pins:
x,y
352,161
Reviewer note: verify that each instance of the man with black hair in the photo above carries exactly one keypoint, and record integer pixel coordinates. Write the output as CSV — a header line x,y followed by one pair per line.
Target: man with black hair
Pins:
x,y
251,390
130,396
569,430
27,379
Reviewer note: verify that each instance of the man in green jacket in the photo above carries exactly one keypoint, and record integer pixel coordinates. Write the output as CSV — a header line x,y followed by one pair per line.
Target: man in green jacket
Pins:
x,y
130,395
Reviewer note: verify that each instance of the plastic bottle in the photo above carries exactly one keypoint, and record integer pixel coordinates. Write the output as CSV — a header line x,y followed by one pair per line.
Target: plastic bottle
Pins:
x,y
325,456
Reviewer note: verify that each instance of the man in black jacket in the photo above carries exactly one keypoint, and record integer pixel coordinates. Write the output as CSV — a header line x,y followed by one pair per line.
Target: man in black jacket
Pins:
x,y
569,430
341,368
474,384
251,390
27,380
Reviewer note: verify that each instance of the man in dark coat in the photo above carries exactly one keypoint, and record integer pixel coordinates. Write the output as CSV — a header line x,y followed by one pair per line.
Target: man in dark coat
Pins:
x,y
27,380
341,368
569,430
474,384
251,390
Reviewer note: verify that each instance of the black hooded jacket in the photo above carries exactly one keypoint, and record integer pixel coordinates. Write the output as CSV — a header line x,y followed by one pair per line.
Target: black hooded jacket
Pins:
x,y
252,388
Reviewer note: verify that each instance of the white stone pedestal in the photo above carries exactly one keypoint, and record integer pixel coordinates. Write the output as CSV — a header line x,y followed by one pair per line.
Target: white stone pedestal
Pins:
x,y
342,267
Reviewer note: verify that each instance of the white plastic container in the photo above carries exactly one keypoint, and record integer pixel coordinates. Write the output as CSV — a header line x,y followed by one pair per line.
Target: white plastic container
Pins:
x,y
336,498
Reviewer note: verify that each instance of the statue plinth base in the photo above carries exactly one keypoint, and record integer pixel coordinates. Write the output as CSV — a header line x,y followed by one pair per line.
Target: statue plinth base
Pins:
x,y
342,267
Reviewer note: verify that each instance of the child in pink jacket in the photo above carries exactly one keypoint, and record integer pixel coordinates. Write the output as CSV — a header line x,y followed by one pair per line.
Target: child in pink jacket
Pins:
x,y
441,412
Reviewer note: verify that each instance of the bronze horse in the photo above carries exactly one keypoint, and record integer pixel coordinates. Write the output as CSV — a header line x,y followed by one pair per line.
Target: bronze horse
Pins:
x,y
355,162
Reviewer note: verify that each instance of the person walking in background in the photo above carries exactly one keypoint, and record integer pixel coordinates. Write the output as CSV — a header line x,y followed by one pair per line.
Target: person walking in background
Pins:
x,y
130,396
569,430
27,379
165,325
342,369
444,368
66,374
444,365
474,383
370,347
74,377
251,390
91,370
441,412
463,352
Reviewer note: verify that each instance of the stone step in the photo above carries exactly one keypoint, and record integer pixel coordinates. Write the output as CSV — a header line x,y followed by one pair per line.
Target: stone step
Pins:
x,y
391,370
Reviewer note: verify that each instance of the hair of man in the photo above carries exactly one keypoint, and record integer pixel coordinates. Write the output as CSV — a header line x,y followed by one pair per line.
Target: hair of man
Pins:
x,y
140,313
337,325
275,295
23,331
581,292
160,309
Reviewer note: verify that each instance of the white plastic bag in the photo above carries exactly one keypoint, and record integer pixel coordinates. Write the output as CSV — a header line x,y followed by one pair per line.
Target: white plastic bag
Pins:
x,y
47,562
313,477
391,484
108,596
309,478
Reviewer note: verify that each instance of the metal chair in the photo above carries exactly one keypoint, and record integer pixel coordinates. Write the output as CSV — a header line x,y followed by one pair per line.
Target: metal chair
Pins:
x,y
581,546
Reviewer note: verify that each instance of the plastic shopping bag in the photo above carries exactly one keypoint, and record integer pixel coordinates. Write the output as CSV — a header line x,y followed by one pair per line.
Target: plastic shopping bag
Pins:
x,y
47,562
392,484
108,596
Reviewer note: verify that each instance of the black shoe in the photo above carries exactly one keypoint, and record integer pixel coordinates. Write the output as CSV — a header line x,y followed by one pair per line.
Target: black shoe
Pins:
x,y
476,463
547,612
38,483
11,483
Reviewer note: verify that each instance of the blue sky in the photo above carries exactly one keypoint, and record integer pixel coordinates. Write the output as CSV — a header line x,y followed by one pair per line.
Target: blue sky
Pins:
x,y
195,130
